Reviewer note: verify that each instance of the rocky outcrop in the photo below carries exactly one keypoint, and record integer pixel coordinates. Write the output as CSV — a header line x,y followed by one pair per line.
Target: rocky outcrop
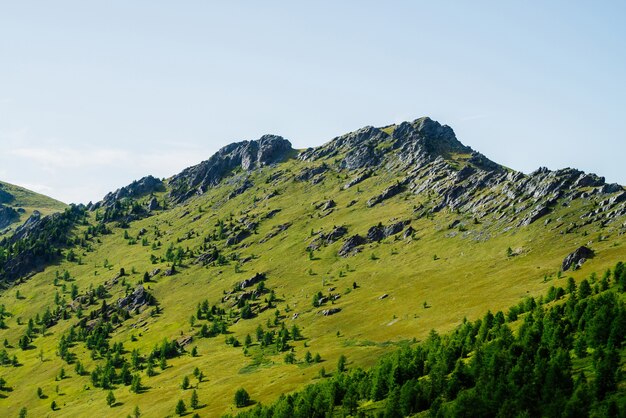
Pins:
x,y
328,238
379,232
388,193
274,232
137,188
310,172
358,179
247,155
577,258
247,184
153,204
137,299
258,277
352,246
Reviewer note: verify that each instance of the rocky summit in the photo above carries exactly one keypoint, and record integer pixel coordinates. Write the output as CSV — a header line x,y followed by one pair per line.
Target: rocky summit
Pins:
x,y
392,271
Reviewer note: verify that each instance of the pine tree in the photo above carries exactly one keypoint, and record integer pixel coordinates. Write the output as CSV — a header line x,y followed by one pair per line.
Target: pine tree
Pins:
x,y
194,400
110,399
241,398
180,407
341,364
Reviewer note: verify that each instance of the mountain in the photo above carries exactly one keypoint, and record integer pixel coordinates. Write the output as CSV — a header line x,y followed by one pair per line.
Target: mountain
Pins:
x,y
264,267
18,203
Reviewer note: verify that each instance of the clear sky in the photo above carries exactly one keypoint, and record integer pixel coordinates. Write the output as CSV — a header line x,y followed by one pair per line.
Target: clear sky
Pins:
x,y
96,94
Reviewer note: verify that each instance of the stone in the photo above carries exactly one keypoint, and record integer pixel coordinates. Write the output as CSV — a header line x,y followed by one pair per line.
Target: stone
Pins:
x,y
153,204
577,257
358,179
389,192
351,246
137,188
310,172
248,155
331,311
252,281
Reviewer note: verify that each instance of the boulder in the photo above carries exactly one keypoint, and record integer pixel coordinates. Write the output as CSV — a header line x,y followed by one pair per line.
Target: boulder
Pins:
x,y
252,281
351,246
358,179
153,204
376,233
577,258
331,311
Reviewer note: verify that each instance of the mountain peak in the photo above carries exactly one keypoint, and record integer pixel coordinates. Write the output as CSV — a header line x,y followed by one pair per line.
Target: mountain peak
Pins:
x,y
408,144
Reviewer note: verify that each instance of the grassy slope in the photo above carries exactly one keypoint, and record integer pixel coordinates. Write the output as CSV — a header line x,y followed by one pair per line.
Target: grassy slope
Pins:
x,y
468,278
31,201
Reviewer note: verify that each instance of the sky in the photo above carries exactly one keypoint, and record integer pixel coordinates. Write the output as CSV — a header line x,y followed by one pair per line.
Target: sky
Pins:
x,y
94,95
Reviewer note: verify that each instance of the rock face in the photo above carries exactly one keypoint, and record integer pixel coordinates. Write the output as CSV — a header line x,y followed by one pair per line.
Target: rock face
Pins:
x,y
137,188
258,277
135,300
352,245
328,238
577,258
248,155
389,192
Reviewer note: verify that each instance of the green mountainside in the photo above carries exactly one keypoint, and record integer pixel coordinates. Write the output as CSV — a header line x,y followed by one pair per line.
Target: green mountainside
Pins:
x,y
17,204
268,269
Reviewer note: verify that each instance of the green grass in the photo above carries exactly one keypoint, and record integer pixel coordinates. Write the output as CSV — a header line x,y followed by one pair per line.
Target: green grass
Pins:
x,y
471,275
30,201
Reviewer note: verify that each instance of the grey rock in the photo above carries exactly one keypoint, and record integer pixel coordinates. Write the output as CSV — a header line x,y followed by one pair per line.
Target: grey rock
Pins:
x,y
358,179
310,172
247,184
238,237
153,204
376,233
577,257
258,277
326,205
331,311
351,246
328,238
137,188
271,213
136,299
208,257
248,155
388,193
274,232
534,215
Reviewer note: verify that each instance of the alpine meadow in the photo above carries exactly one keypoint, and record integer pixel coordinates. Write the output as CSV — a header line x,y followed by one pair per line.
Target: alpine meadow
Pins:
x,y
393,271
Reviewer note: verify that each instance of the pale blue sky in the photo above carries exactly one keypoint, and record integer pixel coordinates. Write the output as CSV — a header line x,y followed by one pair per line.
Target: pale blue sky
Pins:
x,y
96,94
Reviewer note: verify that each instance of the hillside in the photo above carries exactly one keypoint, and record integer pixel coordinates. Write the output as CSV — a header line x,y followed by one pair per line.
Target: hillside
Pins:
x,y
241,265
17,204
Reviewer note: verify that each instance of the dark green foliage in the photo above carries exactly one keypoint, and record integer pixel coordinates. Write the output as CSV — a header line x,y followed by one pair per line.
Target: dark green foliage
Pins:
x,y
110,399
484,369
194,403
180,407
242,398
22,253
